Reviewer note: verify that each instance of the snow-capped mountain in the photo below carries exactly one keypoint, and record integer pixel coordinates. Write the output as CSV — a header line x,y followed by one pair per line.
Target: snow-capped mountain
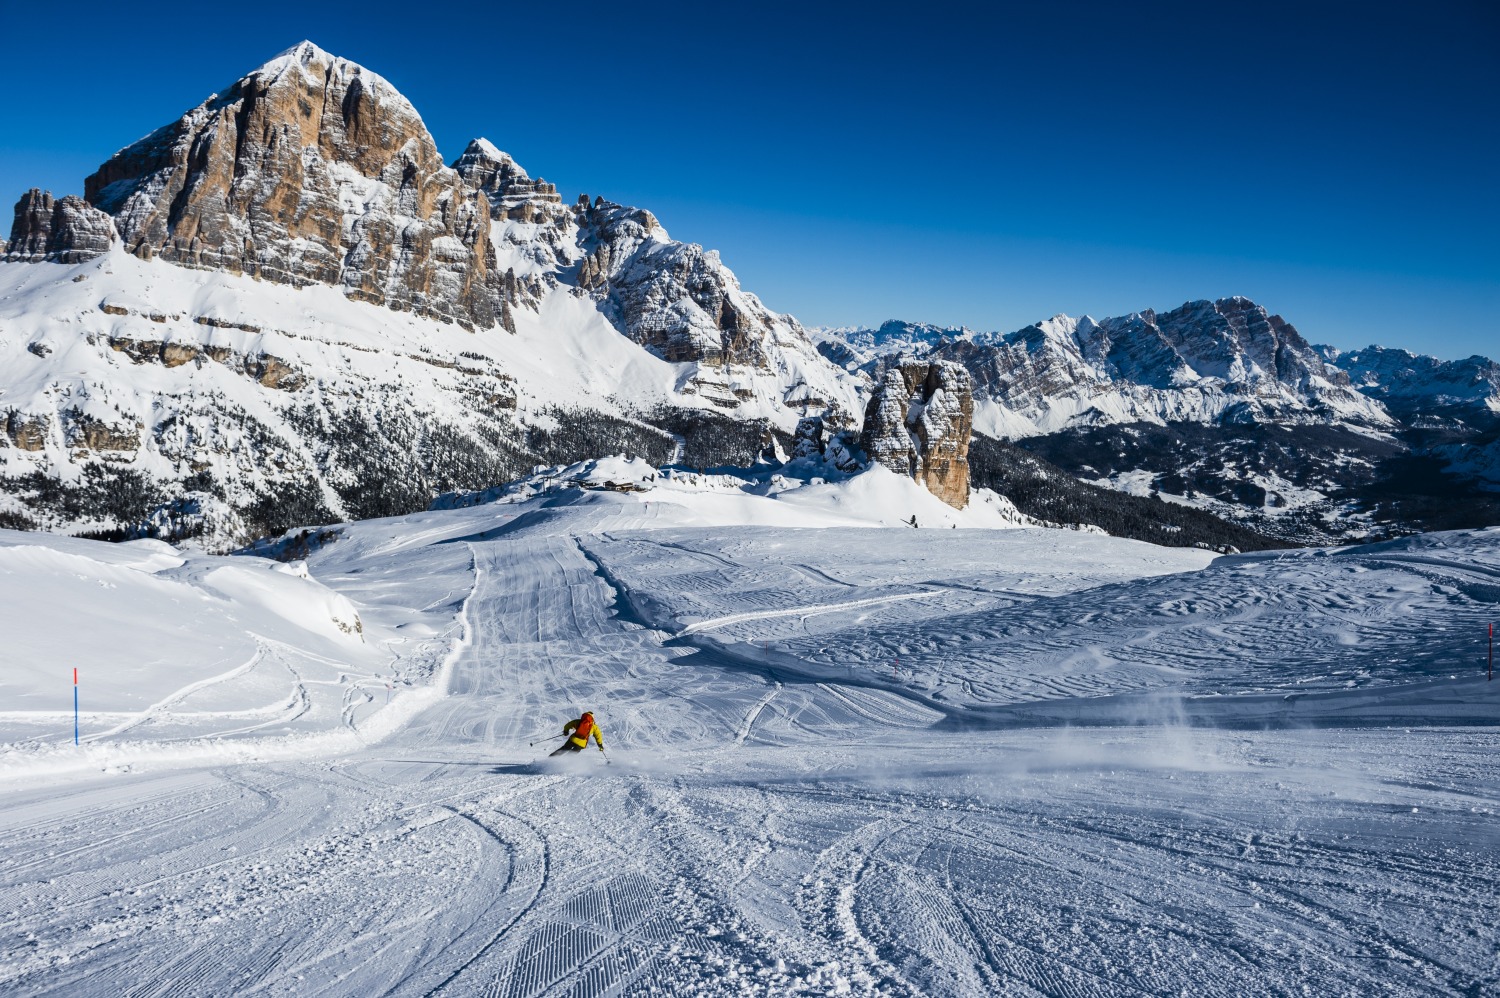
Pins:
x,y
851,347
285,300
1226,361
284,307
1227,406
1419,389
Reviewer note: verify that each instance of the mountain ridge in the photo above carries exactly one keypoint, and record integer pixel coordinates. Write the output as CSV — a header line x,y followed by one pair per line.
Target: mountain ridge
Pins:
x,y
1227,406
285,300
286,305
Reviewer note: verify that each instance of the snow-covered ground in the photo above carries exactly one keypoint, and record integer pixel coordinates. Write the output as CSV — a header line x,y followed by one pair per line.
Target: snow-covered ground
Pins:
x,y
842,758
172,372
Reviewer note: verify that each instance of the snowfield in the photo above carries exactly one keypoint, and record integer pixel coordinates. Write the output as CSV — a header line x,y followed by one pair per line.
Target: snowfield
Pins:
x,y
844,758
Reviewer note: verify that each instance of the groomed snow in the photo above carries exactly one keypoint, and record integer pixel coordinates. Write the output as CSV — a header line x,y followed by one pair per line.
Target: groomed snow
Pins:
x,y
843,758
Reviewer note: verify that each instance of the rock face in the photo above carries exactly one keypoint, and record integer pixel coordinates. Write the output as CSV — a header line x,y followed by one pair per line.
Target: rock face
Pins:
x,y
513,195
918,423
807,442
314,170
60,231
675,299
309,169
27,431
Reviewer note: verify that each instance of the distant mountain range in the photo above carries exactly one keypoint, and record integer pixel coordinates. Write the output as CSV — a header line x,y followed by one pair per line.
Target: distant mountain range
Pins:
x,y
285,308
1225,405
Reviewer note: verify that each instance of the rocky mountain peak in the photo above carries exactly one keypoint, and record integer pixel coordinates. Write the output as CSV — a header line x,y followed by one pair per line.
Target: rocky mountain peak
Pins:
x,y
312,169
512,193
310,58
1410,384
486,167
309,169
1237,340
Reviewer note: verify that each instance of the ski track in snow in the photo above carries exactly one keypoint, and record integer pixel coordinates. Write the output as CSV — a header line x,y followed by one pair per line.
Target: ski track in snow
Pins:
x,y
786,813
801,612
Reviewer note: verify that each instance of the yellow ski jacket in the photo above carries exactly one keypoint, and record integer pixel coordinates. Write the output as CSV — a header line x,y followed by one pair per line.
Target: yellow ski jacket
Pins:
x,y
582,729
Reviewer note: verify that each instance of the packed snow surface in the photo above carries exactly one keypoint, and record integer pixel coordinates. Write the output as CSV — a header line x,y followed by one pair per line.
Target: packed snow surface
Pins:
x,y
843,759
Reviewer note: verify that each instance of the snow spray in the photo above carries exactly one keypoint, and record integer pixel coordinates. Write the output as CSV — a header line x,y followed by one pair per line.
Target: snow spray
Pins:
x,y
75,705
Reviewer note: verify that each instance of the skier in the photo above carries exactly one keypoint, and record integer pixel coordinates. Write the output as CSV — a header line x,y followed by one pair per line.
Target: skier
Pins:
x,y
580,730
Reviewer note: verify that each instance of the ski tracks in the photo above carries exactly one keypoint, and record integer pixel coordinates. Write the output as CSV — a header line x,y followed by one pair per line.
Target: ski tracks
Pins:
x,y
801,611
162,707
829,903
872,853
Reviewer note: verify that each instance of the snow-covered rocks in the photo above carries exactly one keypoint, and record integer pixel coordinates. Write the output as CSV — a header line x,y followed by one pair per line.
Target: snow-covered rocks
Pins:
x,y
917,423
68,230
673,298
511,191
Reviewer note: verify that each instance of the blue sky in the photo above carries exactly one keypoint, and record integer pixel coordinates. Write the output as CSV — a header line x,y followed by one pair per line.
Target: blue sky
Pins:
x,y
1337,162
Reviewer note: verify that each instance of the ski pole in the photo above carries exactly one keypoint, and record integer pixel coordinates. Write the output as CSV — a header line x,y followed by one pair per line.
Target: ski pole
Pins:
x,y
553,738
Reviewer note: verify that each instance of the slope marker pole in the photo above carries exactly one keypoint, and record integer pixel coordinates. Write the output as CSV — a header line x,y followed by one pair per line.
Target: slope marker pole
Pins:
x,y
1492,654
75,705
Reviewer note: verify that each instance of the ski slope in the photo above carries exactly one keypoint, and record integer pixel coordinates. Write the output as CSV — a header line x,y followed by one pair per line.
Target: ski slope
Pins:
x,y
843,760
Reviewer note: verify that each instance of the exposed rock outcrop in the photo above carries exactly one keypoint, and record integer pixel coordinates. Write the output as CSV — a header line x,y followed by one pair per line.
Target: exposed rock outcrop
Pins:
x,y
270,371
66,230
676,299
27,431
82,430
918,422
309,169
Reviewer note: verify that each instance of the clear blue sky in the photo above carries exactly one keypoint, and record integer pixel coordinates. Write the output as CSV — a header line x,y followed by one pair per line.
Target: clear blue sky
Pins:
x,y
960,164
